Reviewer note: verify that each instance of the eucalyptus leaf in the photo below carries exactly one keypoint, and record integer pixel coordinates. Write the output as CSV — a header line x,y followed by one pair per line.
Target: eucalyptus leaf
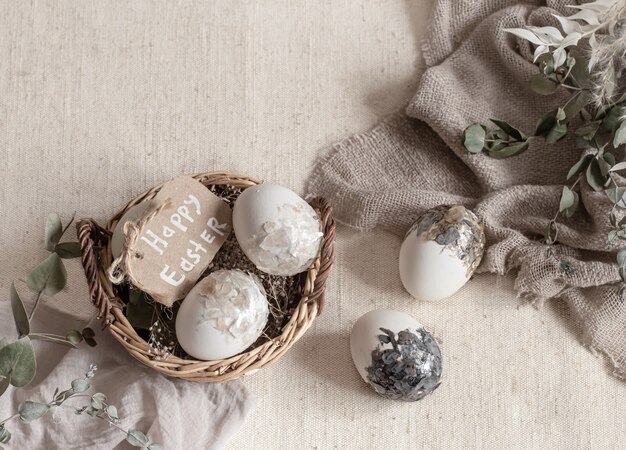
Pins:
x,y
495,146
474,138
19,312
88,333
580,166
594,176
612,218
4,383
68,250
610,159
605,167
615,194
510,130
97,399
54,230
557,132
48,277
80,385
53,339
569,202
136,438
139,312
621,257
112,412
575,104
560,114
497,134
567,199
5,436
546,123
540,84
580,70
618,166
17,360
511,150
62,396
611,120
30,411
74,336
155,447
589,130
620,135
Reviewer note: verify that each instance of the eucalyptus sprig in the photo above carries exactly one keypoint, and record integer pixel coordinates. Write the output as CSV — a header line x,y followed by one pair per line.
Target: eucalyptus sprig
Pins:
x,y
17,359
29,411
587,60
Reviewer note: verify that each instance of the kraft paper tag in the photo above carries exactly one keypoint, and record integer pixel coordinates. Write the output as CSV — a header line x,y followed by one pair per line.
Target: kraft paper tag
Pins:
x,y
174,244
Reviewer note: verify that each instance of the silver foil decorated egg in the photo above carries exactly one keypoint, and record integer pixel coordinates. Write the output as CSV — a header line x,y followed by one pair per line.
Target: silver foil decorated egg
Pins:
x,y
441,251
395,355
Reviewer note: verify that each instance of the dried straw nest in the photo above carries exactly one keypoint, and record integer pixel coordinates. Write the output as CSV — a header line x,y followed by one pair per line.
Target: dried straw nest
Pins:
x,y
297,304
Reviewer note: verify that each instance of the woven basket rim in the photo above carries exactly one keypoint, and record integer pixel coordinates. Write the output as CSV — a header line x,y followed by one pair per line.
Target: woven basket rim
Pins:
x,y
96,258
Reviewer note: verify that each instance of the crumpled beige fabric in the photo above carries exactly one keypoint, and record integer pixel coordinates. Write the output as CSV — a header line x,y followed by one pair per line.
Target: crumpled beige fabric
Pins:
x,y
176,413
415,160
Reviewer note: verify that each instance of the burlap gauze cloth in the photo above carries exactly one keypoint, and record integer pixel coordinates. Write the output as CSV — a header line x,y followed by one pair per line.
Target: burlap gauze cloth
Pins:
x,y
415,160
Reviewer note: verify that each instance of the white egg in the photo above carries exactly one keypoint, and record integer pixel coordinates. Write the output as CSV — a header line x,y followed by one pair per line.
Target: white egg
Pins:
x,y
276,229
395,355
135,213
222,315
441,251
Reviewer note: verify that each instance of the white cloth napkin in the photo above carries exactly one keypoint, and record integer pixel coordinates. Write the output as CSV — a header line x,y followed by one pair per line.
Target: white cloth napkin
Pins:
x,y
178,414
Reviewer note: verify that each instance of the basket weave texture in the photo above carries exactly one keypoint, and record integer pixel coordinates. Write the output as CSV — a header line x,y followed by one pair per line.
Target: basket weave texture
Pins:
x,y
96,259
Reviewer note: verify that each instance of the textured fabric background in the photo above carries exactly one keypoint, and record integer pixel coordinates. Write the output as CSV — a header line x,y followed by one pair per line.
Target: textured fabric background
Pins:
x,y
415,160
100,100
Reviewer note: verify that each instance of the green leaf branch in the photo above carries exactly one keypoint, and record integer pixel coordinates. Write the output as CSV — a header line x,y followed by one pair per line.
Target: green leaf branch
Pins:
x,y
597,104
17,359
18,363
29,411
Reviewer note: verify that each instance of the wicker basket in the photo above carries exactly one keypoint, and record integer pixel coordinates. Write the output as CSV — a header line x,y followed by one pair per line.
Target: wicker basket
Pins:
x,y
96,258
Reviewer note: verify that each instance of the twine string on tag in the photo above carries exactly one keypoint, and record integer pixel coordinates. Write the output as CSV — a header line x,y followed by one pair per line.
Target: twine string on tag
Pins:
x,y
119,270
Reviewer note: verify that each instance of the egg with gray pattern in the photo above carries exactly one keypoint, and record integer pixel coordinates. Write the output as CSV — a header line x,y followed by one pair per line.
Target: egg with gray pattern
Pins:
x,y
395,355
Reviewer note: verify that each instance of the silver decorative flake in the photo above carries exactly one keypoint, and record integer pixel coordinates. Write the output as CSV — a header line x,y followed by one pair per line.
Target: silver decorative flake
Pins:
x,y
456,228
289,243
234,302
406,366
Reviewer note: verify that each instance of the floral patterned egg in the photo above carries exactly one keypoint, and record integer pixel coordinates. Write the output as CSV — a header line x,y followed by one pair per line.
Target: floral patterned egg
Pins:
x,y
395,355
441,251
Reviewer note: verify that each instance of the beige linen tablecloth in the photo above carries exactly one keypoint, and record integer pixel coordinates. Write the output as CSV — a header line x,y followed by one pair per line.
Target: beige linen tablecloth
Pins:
x,y
100,100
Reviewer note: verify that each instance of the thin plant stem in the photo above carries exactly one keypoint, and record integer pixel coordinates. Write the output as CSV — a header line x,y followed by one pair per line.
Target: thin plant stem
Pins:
x,y
9,419
569,86
68,224
32,311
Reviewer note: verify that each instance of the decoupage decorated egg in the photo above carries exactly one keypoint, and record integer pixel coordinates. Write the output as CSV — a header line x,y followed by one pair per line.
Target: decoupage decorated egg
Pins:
x,y
222,315
441,251
276,229
395,355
